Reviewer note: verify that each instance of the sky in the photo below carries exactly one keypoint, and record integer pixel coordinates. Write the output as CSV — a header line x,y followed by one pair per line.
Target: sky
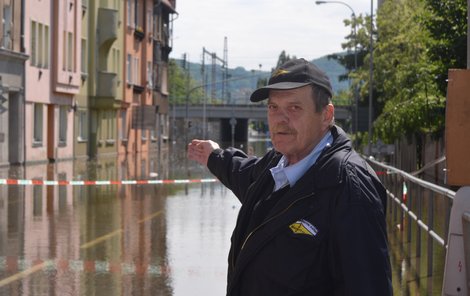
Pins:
x,y
258,30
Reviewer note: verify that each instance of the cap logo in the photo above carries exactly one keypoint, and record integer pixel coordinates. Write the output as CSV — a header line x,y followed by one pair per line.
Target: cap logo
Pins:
x,y
279,72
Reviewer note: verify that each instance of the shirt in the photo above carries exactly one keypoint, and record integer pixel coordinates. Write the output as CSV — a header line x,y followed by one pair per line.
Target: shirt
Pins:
x,y
285,174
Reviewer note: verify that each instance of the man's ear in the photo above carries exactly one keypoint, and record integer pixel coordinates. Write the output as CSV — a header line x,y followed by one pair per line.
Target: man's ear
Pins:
x,y
328,114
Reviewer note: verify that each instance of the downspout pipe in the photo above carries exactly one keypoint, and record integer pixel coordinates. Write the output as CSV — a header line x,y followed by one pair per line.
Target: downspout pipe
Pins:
x,y
22,47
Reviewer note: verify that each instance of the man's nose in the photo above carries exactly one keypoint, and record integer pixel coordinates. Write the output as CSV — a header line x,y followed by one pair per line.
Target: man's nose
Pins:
x,y
281,115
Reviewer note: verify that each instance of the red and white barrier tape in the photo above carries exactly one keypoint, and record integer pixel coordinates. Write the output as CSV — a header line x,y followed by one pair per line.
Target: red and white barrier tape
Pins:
x,y
108,182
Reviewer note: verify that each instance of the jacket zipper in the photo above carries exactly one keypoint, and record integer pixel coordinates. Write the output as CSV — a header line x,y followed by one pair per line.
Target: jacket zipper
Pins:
x,y
272,218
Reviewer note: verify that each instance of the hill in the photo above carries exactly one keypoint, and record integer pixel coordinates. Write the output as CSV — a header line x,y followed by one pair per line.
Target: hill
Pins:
x,y
242,82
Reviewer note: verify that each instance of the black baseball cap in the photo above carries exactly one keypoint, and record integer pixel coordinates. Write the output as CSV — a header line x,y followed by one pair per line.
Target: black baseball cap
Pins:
x,y
293,74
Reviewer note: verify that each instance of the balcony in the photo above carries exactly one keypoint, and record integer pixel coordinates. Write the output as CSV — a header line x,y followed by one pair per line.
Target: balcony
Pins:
x,y
107,25
106,85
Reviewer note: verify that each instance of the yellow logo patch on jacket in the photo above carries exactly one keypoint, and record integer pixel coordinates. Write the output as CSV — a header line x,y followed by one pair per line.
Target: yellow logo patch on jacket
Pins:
x,y
303,227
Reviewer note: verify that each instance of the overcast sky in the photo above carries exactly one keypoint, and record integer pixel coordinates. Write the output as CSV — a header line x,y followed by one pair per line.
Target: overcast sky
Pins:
x,y
258,30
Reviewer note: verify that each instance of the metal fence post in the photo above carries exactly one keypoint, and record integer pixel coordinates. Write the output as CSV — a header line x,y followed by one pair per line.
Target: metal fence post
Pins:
x,y
466,244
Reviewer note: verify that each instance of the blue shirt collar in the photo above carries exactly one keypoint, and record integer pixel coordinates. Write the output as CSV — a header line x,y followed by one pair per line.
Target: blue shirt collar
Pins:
x,y
285,174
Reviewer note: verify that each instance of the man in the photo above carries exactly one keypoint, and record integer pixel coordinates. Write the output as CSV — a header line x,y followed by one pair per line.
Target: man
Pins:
x,y
312,220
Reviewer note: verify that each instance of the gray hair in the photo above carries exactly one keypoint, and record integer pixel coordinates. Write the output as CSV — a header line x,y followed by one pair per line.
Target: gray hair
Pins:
x,y
321,98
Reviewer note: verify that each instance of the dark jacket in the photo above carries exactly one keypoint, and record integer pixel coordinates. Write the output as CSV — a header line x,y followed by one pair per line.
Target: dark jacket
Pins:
x,y
325,236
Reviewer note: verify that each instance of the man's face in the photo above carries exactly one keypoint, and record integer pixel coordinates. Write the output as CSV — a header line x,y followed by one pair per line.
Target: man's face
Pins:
x,y
294,125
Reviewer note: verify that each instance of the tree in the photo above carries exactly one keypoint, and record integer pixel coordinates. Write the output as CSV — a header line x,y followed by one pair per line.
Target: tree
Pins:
x,y
446,21
179,85
283,57
403,73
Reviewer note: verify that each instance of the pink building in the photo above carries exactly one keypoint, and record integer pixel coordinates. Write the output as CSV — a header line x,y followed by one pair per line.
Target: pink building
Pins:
x,y
52,40
136,109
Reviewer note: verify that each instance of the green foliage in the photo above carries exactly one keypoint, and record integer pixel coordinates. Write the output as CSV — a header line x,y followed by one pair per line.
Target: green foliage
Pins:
x,y
404,79
446,21
180,83
420,115
415,43
343,98
284,57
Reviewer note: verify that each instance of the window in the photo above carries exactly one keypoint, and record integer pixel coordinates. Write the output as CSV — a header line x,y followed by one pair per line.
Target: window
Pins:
x,y
122,131
129,69
39,45
115,60
130,20
63,110
158,27
136,72
153,132
84,61
149,75
64,51
70,55
46,47
37,132
149,22
33,43
82,126
136,13
6,36
106,128
67,59
110,119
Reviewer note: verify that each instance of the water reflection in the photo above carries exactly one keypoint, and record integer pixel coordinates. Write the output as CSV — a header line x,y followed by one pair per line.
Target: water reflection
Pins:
x,y
114,239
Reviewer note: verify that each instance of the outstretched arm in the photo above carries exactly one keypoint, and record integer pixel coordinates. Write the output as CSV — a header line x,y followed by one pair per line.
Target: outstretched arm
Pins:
x,y
199,150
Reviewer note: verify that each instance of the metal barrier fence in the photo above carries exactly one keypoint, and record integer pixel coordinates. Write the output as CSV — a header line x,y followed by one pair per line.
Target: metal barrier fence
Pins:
x,y
421,209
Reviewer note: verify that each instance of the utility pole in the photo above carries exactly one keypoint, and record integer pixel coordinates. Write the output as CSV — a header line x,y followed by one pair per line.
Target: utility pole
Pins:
x,y
225,73
214,59
355,109
371,74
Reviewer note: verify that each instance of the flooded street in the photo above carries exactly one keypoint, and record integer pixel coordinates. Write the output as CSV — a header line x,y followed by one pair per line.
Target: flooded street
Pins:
x,y
121,236
118,239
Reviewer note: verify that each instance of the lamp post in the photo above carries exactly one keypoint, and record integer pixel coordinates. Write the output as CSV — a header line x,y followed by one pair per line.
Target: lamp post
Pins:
x,y
356,99
371,74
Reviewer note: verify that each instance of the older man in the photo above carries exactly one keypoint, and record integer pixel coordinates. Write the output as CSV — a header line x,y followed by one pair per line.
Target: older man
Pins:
x,y
312,220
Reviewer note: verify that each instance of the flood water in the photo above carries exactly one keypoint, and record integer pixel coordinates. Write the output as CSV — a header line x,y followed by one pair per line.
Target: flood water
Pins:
x,y
124,239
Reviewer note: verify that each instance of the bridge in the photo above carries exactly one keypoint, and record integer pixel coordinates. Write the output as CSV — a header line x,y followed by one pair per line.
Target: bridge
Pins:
x,y
239,111
234,117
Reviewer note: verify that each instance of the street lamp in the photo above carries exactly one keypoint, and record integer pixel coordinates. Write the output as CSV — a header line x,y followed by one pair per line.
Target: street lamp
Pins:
x,y
356,99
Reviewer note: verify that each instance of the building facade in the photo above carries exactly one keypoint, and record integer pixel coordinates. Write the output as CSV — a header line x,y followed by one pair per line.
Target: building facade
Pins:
x,y
143,113
37,23
105,74
164,12
83,78
12,61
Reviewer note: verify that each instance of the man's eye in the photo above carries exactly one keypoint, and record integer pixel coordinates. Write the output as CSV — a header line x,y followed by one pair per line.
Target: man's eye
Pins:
x,y
295,108
272,107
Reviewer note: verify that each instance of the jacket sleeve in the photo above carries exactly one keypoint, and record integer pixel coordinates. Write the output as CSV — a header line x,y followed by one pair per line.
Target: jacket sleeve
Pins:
x,y
233,168
359,236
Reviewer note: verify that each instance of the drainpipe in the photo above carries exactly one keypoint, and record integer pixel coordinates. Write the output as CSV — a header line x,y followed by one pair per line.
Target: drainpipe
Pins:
x,y
22,49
